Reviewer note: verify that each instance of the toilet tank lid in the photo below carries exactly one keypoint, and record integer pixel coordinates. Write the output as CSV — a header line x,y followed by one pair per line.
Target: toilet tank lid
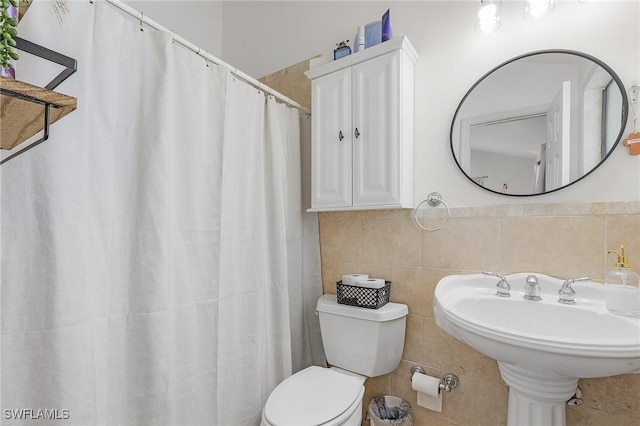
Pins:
x,y
329,304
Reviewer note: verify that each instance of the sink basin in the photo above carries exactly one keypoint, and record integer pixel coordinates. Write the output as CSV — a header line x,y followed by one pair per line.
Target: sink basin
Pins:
x,y
542,347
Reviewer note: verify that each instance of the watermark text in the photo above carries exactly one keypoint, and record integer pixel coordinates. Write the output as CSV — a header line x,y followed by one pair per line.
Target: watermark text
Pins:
x,y
35,414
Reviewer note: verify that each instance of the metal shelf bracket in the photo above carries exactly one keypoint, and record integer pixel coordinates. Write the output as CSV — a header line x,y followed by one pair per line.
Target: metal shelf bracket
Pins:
x,y
70,66
47,108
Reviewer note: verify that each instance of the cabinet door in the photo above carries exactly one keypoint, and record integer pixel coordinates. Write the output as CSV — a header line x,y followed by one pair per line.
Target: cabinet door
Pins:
x,y
331,140
377,149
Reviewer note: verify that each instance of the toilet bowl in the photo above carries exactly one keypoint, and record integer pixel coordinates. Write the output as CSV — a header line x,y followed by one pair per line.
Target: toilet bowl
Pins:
x,y
316,396
358,343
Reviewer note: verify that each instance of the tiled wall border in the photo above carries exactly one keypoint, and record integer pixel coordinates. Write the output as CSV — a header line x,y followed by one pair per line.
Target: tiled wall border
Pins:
x,y
546,209
504,210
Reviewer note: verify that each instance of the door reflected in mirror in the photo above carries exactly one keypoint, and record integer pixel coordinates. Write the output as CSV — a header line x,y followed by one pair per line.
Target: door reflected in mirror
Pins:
x,y
539,122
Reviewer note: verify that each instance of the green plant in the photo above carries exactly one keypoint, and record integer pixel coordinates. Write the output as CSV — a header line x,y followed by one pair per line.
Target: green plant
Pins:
x,y
8,31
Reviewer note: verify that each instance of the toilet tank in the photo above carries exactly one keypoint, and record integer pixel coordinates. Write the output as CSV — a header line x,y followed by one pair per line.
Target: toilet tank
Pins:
x,y
365,341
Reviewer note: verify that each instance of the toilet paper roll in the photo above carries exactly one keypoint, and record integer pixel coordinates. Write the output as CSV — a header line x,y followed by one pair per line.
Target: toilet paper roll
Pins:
x,y
370,283
352,279
428,388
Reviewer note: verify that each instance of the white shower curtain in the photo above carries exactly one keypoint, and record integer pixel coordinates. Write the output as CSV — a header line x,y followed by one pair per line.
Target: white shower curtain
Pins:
x,y
157,266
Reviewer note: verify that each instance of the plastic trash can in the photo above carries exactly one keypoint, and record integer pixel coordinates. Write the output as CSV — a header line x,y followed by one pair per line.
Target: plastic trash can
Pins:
x,y
388,410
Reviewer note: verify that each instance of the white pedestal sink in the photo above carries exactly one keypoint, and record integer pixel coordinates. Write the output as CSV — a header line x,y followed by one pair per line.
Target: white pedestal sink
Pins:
x,y
542,347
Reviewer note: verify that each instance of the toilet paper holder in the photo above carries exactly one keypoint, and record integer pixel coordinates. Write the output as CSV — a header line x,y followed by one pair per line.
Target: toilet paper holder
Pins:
x,y
448,382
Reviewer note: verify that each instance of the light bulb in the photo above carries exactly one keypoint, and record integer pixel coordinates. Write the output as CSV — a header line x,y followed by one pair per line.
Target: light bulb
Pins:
x,y
487,12
488,17
535,9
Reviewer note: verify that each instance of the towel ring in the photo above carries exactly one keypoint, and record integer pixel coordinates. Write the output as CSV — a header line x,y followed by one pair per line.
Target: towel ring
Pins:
x,y
433,200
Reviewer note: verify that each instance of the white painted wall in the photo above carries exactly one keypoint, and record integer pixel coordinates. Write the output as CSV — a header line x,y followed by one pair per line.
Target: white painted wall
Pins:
x,y
199,22
267,36
260,37
517,173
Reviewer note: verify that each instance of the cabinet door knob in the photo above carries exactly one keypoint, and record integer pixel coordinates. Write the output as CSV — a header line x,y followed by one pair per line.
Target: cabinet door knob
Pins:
x,y
357,133
340,136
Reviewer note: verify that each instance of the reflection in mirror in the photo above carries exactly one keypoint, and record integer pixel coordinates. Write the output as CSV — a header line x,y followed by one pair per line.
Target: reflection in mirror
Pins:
x,y
539,122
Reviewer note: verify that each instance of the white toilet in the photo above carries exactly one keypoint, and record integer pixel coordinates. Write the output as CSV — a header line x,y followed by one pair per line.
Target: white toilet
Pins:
x,y
358,343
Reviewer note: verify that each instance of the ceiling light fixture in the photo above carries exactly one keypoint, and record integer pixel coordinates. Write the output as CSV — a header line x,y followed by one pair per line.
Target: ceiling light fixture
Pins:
x,y
535,9
488,17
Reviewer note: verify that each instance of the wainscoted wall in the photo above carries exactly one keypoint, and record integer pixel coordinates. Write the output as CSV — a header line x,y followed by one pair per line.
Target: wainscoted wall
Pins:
x,y
563,240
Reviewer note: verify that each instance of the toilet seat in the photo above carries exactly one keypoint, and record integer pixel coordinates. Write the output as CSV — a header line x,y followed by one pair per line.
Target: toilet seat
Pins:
x,y
313,396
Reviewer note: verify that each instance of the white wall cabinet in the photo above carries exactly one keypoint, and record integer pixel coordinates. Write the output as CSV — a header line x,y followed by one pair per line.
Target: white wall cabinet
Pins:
x,y
362,129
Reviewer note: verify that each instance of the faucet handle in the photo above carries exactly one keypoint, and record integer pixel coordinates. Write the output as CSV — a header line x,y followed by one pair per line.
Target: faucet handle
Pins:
x,y
566,293
532,288
503,286
495,275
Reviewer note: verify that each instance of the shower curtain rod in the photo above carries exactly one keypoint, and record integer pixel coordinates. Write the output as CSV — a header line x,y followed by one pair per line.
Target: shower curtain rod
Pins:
x,y
176,38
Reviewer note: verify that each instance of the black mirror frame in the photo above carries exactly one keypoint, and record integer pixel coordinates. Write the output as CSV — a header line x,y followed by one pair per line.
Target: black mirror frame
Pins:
x,y
625,113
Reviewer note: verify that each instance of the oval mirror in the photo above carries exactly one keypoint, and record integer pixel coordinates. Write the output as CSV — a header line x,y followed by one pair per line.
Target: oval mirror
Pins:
x,y
539,122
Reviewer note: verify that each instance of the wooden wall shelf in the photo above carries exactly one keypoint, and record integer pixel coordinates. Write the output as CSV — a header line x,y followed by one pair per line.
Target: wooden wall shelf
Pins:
x,y
23,116
26,109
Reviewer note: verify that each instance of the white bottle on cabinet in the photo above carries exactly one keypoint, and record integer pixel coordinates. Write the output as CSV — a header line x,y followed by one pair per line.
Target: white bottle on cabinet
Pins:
x,y
362,129
360,39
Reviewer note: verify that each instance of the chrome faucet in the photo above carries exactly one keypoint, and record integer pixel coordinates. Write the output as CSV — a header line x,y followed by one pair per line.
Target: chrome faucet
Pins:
x,y
532,288
566,293
503,286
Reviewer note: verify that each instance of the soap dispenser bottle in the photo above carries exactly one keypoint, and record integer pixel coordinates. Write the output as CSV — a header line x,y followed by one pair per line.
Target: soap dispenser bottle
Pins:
x,y
622,287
